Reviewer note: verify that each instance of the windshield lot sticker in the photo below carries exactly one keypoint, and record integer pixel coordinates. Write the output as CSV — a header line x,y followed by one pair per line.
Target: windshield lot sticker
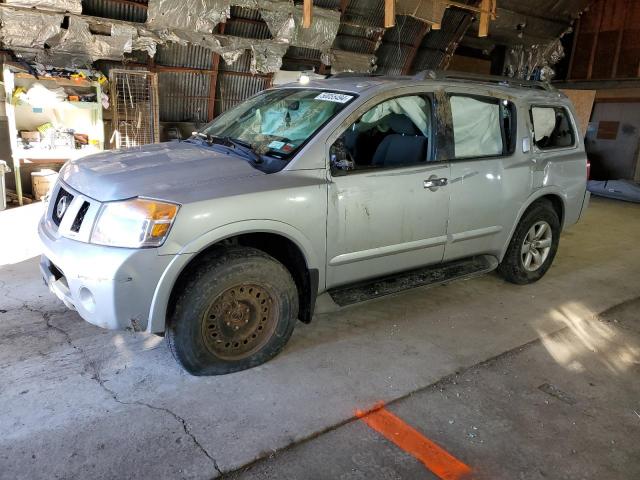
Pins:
x,y
334,97
275,145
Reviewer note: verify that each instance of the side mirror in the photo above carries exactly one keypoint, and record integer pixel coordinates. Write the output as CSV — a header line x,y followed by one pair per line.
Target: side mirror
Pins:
x,y
341,161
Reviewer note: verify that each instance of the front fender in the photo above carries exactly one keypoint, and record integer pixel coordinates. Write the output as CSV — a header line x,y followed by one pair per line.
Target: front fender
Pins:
x,y
157,314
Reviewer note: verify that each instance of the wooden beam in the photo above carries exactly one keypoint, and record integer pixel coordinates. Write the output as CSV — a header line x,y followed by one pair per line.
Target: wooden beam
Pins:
x,y
574,45
307,13
594,47
616,55
213,80
389,13
485,8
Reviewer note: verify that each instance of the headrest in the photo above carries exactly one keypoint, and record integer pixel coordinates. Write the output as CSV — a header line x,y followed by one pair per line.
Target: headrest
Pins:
x,y
401,124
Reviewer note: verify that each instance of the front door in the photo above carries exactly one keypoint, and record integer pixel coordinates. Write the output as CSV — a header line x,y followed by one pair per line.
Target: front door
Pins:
x,y
388,200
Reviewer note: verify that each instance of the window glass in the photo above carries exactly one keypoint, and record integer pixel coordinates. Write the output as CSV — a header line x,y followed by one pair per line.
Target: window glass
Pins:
x,y
551,128
477,129
279,121
396,132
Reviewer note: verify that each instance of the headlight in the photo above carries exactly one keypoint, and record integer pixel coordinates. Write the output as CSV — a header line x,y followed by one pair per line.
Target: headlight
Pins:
x,y
134,223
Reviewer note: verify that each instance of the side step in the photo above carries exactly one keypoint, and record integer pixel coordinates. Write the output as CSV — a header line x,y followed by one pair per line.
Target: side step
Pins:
x,y
432,275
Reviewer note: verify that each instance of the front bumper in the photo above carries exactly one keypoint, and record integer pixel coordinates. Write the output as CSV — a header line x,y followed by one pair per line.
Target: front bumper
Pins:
x,y
109,287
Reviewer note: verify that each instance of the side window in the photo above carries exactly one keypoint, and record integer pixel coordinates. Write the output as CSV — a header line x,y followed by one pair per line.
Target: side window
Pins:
x,y
552,128
482,126
394,133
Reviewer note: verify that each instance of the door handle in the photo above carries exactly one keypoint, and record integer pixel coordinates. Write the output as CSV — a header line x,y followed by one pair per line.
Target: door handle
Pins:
x,y
433,183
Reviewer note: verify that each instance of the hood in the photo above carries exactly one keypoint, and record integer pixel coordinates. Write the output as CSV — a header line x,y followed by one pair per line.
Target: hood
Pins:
x,y
174,171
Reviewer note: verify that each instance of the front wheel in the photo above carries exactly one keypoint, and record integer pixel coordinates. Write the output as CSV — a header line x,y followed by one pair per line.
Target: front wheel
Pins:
x,y
235,311
533,246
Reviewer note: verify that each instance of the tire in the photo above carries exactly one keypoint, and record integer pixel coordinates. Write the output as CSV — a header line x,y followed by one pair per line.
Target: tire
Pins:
x,y
513,267
236,310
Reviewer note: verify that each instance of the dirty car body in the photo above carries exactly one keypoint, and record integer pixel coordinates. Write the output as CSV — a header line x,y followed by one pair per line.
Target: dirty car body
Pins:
x,y
393,174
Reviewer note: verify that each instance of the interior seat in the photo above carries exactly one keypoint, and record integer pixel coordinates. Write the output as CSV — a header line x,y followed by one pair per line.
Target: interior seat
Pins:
x,y
405,146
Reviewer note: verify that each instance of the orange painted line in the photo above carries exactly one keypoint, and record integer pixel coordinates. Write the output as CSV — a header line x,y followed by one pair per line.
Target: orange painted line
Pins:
x,y
440,462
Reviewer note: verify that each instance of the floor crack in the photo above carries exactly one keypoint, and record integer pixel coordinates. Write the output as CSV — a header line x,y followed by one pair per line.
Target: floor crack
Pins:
x,y
95,375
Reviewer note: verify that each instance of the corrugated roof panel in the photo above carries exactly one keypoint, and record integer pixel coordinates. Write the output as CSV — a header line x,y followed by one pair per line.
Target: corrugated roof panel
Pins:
x,y
371,33
300,52
247,29
241,65
233,89
452,22
428,60
392,58
116,10
354,44
328,4
407,29
248,13
176,55
183,96
365,12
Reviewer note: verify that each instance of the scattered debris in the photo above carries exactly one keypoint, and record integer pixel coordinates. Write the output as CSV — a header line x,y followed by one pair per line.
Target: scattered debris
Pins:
x,y
557,393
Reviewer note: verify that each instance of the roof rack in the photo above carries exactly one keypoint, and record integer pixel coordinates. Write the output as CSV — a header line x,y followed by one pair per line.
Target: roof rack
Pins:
x,y
353,74
498,80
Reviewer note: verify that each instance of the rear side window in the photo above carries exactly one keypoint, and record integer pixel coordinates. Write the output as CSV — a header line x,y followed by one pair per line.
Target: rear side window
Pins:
x,y
482,126
552,128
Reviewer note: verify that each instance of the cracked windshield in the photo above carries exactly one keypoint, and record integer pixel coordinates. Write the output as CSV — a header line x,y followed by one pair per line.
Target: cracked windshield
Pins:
x,y
278,122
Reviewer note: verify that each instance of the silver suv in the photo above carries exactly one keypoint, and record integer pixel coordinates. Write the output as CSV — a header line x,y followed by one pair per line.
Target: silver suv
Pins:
x,y
222,241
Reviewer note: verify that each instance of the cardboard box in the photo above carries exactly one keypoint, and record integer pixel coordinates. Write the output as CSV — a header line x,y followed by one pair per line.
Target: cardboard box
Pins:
x,y
30,136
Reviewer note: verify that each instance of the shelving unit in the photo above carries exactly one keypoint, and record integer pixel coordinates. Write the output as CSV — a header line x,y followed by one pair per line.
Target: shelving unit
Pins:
x,y
81,117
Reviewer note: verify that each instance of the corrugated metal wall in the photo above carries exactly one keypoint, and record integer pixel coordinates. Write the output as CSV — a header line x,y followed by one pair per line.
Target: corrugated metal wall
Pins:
x,y
187,74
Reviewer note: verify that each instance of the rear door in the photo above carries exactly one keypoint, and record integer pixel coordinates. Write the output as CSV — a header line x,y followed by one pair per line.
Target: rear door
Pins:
x,y
490,178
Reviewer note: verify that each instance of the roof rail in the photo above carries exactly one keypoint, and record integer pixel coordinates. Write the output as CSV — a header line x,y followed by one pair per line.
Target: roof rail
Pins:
x,y
353,74
504,81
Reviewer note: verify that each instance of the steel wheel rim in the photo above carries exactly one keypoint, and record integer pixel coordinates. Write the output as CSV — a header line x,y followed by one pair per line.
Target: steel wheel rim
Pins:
x,y
536,246
240,321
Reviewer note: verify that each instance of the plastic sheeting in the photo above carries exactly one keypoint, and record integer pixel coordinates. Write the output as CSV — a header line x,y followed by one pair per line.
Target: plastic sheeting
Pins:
x,y
544,122
343,61
266,55
188,15
28,29
71,6
476,127
79,40
618,189
323,30
278,15
284,20
533,62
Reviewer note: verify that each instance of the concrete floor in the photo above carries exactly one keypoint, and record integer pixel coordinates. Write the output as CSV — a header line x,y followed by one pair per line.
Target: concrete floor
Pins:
x,y
516,382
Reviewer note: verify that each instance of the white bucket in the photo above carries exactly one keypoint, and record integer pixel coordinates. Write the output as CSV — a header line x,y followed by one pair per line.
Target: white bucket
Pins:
x,y
42,182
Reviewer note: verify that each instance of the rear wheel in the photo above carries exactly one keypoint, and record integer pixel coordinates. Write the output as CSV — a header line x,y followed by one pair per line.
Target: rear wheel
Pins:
x,y
237,310
533,246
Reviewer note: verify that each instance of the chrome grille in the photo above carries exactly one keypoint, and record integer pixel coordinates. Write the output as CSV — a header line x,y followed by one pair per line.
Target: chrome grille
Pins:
x,y
77,222
61,205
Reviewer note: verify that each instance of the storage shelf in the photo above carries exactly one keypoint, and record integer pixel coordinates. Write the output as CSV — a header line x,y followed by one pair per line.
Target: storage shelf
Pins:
x,y
66,82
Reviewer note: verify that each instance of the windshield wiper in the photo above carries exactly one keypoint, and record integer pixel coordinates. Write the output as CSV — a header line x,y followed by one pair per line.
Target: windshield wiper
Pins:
x,y
244,147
